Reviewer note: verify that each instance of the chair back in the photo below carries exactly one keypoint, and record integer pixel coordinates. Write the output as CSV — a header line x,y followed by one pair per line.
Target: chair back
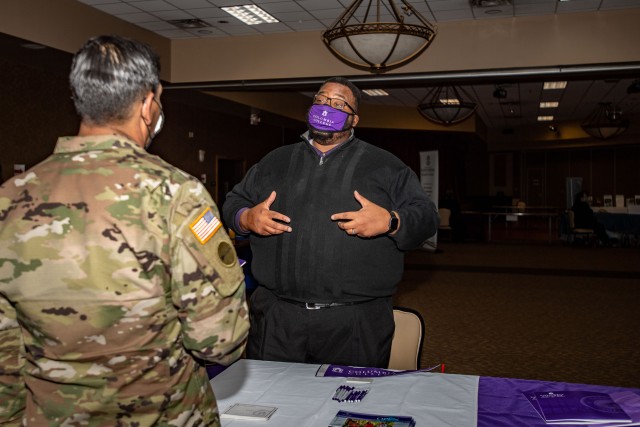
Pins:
x,y
445,215
571,215
406,346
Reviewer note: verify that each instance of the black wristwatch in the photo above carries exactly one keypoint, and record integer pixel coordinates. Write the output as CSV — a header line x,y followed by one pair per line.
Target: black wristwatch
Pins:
x,y
393,222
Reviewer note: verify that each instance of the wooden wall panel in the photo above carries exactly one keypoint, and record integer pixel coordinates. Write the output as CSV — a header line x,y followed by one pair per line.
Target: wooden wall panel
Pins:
x,y
557,173
628,170
604,179
580,166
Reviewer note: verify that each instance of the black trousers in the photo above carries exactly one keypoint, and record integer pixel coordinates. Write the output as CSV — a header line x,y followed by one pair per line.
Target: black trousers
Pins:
x,y
355,335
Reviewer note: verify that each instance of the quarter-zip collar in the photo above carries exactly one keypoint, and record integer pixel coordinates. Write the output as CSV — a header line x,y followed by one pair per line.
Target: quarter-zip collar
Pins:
x,y
324,154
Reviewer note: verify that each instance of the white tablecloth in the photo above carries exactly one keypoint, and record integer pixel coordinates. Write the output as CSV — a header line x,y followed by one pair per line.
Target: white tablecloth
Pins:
x,y
303,399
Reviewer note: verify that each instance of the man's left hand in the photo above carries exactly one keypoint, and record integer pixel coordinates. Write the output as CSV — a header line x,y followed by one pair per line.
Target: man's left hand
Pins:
x,y
371,220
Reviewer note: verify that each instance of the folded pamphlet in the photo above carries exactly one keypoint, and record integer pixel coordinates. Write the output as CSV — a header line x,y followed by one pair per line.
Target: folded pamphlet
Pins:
x,y
577,407
243,411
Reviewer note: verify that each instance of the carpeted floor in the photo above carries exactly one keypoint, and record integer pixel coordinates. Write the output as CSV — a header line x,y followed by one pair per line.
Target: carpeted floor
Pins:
x,y
535,310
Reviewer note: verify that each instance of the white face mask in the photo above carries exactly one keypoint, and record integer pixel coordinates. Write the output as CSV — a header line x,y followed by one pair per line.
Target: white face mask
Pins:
x,y
158,127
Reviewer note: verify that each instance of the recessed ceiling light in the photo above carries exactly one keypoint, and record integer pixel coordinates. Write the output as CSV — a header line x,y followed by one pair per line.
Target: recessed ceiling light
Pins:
x,y
554,85
500,93
545,118
250,14
375,92
33,46
549,104
490,3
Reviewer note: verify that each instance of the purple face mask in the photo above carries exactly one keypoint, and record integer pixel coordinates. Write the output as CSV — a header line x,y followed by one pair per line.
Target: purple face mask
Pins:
x,y
325,118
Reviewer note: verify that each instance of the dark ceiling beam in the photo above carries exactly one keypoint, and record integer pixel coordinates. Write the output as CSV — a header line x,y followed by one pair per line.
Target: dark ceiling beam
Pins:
x,y
590,72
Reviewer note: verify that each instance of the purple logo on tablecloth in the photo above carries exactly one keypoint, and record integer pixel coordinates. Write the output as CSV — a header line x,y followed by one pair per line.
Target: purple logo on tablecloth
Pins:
x,y
350,371
603,404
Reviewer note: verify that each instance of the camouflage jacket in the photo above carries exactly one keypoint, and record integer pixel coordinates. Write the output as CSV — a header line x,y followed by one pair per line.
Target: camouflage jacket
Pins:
x,y
115,277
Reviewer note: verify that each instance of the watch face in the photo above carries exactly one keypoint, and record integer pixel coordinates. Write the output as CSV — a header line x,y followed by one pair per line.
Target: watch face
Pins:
x,y
393,223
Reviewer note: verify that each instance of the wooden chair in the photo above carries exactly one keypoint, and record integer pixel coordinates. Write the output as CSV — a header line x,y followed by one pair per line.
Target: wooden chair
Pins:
x,y
587,233
406,347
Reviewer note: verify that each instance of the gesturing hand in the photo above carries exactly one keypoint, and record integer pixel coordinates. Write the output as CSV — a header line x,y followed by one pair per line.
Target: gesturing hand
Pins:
x,y
261,220
371,220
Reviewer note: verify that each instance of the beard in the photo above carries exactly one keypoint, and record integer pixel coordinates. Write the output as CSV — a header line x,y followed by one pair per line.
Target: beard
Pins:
x,y
322,137
327,138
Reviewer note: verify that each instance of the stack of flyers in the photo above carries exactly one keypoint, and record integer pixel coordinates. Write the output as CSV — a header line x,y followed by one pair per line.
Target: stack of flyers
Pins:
x,y
244,411
578,407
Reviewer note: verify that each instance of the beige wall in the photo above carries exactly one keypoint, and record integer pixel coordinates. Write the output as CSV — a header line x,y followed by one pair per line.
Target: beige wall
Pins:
x,y
568,39
537,41
67,24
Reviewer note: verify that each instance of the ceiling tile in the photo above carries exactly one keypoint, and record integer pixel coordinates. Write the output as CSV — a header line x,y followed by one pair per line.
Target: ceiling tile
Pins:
x,y
208,12
281,6
154,5
137,18
453,15
189,4
116,8
172,14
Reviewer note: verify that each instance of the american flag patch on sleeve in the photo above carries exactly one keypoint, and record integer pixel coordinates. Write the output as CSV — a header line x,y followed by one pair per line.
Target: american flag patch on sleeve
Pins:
x,y
205,226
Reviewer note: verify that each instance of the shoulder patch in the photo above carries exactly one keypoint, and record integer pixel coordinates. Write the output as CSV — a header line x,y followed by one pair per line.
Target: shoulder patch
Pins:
x,y
205,226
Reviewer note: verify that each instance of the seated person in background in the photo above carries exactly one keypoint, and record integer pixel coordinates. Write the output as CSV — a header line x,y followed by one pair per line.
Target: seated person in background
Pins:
x,y
584,218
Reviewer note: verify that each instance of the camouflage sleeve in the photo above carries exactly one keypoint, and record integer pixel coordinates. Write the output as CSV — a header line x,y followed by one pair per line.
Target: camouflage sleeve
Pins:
x,y
207,281
12,390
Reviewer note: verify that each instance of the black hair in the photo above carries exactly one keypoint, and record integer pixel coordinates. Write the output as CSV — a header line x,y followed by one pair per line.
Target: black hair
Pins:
x,y
357,94
109,74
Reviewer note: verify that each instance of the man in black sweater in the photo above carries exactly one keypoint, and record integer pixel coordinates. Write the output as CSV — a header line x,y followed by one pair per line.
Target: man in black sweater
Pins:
x,y
330,218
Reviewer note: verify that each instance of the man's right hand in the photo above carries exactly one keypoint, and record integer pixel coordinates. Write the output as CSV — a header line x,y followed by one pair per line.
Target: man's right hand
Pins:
x,y
261,220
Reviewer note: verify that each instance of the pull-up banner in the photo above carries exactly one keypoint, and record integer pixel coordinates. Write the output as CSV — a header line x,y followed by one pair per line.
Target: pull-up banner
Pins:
x,y
429,180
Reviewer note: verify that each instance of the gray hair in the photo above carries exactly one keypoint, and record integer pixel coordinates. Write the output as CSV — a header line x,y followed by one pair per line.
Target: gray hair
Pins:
x,y
109,74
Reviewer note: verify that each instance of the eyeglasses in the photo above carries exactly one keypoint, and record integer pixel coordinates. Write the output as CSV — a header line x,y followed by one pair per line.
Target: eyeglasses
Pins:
x,y
336,103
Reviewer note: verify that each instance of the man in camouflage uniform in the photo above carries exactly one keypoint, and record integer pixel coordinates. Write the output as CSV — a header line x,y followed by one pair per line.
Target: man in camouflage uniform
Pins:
x,y
115,273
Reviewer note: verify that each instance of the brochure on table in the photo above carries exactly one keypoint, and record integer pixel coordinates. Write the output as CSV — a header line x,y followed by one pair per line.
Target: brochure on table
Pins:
x,y
586,407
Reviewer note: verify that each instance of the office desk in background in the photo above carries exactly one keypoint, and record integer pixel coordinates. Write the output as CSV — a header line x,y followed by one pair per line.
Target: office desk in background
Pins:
x,y
433,399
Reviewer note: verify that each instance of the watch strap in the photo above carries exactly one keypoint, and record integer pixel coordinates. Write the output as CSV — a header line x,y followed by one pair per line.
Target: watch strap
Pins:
x,y
393,222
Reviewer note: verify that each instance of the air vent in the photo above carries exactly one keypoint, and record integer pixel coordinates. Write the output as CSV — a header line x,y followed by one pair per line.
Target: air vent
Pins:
x,y
490,3
189,24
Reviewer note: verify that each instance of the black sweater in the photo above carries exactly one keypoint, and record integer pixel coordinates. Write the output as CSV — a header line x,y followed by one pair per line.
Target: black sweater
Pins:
x,y
318,261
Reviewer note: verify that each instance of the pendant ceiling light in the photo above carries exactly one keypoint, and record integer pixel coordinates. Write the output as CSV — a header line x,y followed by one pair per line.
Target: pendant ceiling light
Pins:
x,y
447,105
605,121
377,36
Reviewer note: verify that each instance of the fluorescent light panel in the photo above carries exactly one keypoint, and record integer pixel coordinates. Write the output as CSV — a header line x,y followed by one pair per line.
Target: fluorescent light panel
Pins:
x,y
549,104
554,85
250,14
375,92
545,118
